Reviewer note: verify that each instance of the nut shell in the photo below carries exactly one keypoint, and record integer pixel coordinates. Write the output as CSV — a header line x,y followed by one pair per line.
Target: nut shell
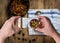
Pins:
x,y
34,23
19,7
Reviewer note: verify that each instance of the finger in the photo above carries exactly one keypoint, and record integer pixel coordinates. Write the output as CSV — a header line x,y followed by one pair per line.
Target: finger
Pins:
x,y
12,19
39,29
41,17
41,25
42,21
16,28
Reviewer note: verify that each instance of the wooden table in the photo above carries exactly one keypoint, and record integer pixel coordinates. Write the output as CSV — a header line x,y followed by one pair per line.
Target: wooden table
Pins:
x,y
23,37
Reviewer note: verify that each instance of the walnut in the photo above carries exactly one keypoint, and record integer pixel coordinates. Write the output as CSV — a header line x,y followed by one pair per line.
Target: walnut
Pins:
x,y
34,23
19,7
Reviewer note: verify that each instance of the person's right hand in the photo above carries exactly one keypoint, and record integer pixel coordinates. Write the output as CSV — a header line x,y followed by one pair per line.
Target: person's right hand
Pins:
x,y
46,26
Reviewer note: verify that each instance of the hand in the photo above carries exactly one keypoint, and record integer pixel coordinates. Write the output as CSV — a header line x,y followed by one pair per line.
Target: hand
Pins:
x,y
9,27
46,26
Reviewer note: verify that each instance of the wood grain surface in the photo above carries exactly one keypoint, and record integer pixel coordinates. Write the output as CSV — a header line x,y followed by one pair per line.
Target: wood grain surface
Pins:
x,y
23,37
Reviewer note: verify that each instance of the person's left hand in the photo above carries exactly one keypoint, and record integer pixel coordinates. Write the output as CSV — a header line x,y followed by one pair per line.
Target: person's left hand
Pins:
x,y
9,27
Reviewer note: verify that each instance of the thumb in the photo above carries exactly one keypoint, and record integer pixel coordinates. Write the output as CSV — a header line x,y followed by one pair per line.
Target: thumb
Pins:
x,y
16,28
39,29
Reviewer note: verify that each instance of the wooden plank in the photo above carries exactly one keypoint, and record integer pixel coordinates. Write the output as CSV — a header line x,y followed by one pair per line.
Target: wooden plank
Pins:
x,y
40,4
48,39
36,4
49,4
57,5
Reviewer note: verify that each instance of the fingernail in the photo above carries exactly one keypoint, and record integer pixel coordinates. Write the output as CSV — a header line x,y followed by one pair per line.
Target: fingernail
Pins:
x,y
36,29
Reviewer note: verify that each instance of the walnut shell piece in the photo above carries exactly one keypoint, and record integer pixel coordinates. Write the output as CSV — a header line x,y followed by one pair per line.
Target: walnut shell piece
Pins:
x,y
34,23
19,7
